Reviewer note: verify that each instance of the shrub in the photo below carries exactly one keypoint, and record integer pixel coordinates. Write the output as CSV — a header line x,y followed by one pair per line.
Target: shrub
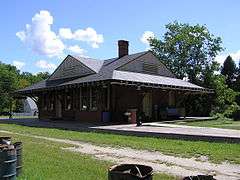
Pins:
x,y
231,109
228,112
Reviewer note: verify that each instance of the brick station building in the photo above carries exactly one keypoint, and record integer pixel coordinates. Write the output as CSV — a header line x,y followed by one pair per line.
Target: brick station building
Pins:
x,y
90,90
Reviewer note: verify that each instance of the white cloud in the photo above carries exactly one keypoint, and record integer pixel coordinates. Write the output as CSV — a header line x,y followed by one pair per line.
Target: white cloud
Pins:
x,y
88,35
65,33
19,64
39,36
235,55
42,64
145,37
76,50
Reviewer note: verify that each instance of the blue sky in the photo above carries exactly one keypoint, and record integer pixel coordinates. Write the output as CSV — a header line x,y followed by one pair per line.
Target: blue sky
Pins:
x,y
92,28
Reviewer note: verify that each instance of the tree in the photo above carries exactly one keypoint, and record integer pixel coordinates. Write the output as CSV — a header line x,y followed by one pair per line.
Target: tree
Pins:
x,y
11,79
238,68
8,84
224,95
27,78
187,50
43,75
236,85
229,70
237,82
225,98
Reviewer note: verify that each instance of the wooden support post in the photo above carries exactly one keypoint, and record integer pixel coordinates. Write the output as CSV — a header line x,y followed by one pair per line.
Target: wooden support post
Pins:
x,y
90,95
108,97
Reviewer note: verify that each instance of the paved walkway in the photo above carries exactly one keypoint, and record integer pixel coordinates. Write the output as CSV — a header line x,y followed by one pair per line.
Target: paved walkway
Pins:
x,y
148,129
177,131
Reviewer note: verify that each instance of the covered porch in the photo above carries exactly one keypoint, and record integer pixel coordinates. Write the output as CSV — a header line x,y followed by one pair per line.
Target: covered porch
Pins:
x,y
108,101
151,102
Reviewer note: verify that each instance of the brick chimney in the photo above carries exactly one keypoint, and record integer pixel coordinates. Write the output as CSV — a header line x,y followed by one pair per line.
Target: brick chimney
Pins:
x,y
122,48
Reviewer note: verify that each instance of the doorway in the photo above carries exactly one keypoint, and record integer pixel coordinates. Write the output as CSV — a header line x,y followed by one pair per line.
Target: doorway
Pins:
x,y
147,105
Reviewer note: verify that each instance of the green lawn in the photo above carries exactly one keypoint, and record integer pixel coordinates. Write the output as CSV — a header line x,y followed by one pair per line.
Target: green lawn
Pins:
x,y
46,160
216,152
18,117
218,123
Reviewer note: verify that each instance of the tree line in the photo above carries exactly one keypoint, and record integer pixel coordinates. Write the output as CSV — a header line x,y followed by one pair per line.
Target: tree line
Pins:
x,y
11,79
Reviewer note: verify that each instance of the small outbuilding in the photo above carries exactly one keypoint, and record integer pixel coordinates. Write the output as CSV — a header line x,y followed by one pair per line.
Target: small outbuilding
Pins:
x,y
29,108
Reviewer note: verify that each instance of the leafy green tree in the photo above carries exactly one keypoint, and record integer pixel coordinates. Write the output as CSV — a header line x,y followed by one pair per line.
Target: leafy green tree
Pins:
x,y
10,80
224,96
27,78
22,83
236,84
43,75
187,50
229,70
8,84
209,74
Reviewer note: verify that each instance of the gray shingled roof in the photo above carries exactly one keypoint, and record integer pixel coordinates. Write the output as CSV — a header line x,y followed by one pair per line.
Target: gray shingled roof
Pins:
x,y
152,79
93,64
38,85
106,70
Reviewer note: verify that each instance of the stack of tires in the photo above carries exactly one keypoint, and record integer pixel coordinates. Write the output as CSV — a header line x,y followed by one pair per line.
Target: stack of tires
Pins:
x,y
10,159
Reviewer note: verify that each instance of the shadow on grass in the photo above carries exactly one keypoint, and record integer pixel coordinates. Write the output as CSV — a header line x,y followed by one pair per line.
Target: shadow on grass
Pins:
x,y
95,127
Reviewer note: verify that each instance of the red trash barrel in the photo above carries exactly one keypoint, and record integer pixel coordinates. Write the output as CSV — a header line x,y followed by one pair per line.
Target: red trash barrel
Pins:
x,y
133,116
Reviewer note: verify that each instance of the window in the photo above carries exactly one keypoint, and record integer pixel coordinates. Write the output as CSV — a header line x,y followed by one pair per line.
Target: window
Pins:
x,y
51,102
94,93
88,98
68,100
85,97
48,101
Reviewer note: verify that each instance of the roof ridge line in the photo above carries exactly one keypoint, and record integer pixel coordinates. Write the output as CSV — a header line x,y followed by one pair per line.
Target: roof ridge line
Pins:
x,y
117,58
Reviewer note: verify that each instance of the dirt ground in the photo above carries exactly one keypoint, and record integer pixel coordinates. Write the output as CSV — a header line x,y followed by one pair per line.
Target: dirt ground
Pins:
x,y
168,164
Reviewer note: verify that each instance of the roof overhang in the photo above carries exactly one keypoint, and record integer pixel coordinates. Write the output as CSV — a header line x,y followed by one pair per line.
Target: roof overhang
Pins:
x,y
163,87
121,83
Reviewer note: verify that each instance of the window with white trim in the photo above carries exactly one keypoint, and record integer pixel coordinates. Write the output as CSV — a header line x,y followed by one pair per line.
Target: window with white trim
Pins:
x,y
68,100
51,102
85,99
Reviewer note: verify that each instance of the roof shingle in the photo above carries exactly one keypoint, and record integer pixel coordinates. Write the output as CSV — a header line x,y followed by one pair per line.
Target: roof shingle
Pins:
x,y
107,70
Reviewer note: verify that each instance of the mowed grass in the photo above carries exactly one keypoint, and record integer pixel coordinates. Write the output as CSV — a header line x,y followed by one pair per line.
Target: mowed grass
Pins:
x,y
218,123
19,117
46,160
216,152
43,160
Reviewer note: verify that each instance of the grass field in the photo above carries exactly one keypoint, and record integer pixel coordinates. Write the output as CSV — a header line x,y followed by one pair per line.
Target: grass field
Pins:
x,y
219,123
45,160
18,117
216,152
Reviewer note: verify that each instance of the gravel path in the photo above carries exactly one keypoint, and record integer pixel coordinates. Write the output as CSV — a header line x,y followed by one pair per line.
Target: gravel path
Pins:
x,y
168,164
